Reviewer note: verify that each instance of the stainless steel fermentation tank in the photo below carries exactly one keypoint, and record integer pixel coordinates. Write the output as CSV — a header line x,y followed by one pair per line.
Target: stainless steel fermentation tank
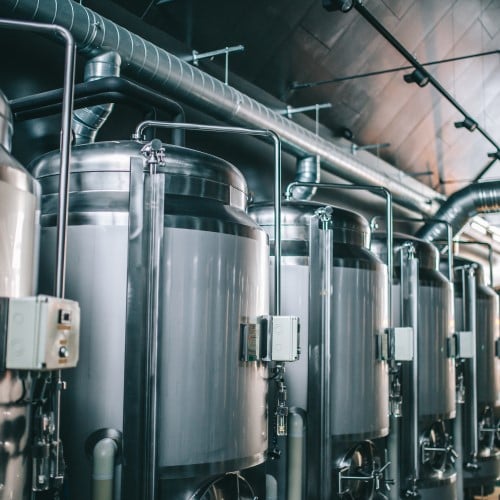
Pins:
x,y
213,265
19,206
435,368
338,374
475,419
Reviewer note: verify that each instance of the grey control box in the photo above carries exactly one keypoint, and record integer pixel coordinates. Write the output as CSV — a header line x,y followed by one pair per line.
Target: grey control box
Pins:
x,y
270,338
39,333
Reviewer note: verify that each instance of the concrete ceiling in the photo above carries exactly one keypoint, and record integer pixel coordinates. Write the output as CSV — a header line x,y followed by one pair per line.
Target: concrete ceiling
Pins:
x,y
289,41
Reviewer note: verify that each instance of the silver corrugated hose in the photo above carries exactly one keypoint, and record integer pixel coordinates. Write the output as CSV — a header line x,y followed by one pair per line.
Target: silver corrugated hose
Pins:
x,y
461,207
308,170
158,68
88,121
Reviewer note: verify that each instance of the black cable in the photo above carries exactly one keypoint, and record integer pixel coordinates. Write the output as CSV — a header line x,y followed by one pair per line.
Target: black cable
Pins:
x,y
307,85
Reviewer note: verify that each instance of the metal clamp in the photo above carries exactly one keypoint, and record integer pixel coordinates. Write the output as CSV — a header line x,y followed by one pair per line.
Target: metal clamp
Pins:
x,y
154,152
195,57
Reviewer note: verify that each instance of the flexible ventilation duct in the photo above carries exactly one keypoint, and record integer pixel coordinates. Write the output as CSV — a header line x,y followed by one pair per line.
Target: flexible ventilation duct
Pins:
x,y
460,207
167,73
88,121
308,170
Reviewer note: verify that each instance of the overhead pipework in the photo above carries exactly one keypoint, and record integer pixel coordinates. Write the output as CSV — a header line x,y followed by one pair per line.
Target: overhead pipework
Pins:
x,y
461,207
168,73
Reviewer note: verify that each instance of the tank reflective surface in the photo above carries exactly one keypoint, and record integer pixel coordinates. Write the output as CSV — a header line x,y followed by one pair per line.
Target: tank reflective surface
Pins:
x,y
485,475
212,408
19,213
358,380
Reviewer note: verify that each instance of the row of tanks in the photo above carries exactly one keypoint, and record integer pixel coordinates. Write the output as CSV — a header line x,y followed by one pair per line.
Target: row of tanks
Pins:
x,y
390,398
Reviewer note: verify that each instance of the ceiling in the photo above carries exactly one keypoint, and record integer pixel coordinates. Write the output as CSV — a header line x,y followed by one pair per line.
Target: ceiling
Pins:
x,y
289,41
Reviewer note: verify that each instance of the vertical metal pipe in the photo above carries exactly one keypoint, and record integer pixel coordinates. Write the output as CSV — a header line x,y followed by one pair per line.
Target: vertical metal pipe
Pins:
x,y
470,315
390,249
155,186
449,233
411,319
277,224
326,289
458,445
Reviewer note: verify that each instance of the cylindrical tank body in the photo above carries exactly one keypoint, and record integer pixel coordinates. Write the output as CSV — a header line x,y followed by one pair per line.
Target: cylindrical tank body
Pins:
x,y
359,382
436,369
19,200
213,277
435,323
488,376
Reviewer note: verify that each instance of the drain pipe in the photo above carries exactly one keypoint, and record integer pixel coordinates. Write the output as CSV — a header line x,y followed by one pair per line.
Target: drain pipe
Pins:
x,y
460,207
103,468
88,121
308,170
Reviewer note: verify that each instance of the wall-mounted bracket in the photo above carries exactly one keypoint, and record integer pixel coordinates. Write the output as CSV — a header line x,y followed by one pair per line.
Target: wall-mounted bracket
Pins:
x,y
196,57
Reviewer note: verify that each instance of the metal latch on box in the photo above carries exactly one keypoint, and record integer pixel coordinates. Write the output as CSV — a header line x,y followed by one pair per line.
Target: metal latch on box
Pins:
x,y
39,333
270,338
395,344
461,345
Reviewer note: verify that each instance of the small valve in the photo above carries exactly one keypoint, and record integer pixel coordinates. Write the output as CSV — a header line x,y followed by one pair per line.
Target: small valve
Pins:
x,y
274,454
472,465
281,410
460,389
411,491
396,400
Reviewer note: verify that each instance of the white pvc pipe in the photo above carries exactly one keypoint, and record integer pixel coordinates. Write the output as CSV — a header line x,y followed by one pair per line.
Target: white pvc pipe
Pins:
x,y
271,487
103,468
295,454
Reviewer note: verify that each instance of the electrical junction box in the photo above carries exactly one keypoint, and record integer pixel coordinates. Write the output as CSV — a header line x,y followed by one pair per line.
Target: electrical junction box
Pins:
x,y
39,333
283,337
270,338
403,343
465,344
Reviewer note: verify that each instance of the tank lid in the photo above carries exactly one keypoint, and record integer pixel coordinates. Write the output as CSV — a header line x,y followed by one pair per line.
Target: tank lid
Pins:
x,y
6,121
347,227
426,253
191,173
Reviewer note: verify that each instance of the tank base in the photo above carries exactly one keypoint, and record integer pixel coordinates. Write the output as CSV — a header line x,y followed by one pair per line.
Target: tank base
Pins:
x,y
245,485
445,490
485,477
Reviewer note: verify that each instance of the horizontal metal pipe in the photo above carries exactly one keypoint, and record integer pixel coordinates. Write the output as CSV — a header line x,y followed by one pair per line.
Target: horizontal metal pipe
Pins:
x,y
168,73
461,207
